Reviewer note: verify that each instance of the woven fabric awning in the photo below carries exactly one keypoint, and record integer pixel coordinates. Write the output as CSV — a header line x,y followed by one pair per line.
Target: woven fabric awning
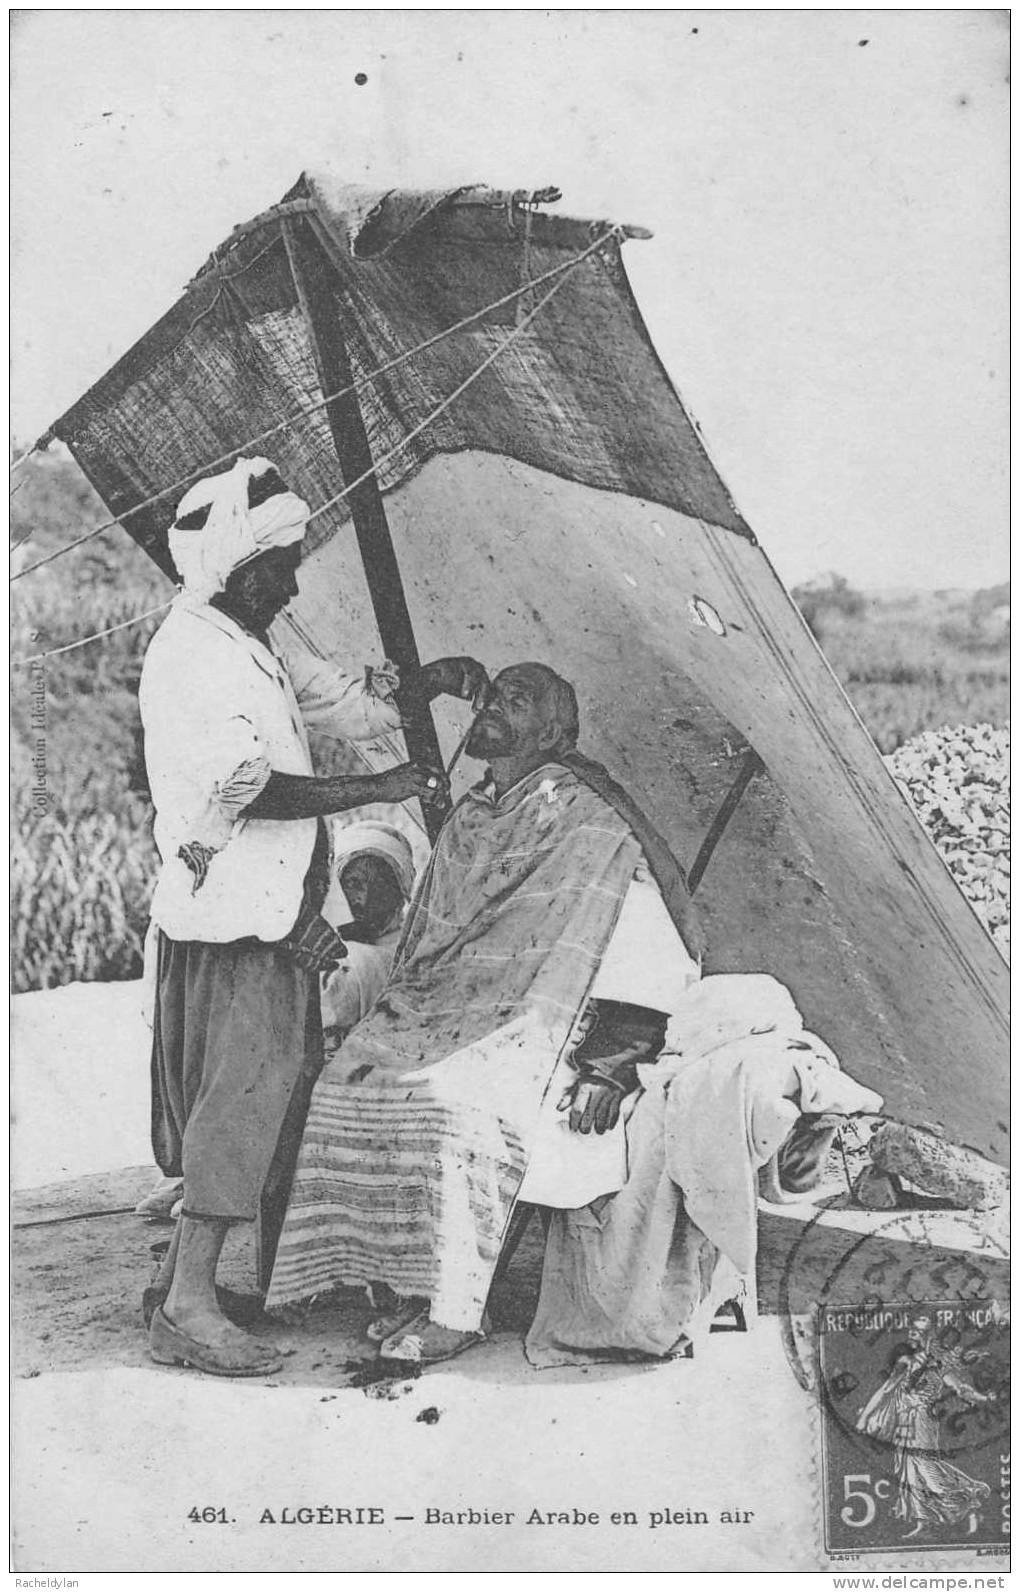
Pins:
x,y
568,397
562,507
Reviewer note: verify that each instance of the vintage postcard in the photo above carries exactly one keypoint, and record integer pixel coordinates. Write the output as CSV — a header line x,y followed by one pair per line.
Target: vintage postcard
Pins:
x,y
510,774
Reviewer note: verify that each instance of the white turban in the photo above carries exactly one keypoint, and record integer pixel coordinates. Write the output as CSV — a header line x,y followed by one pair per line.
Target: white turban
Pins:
x,y
376,840
233,533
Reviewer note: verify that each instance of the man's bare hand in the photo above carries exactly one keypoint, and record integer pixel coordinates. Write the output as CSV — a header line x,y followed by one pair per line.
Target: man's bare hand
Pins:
x,y
459,677
592,1105
409,780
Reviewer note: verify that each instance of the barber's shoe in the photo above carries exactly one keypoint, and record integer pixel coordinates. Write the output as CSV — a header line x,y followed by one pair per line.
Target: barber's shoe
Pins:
x,y
169,1345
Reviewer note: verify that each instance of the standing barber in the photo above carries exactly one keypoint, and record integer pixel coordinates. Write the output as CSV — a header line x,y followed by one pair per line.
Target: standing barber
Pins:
x,y
240,942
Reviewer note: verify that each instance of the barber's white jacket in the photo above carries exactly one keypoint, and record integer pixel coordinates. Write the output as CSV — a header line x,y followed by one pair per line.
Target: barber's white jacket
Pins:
x,y
219,711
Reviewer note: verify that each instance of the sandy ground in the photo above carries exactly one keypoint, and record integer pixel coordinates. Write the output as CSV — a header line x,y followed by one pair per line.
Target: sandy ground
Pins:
x,y
112,1452
80,1065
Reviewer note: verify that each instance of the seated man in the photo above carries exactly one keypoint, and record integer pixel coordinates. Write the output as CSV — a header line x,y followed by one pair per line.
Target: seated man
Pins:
x,y
549,905
374,867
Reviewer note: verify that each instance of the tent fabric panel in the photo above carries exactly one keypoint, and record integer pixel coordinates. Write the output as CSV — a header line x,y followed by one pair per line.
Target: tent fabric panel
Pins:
x,y
825,878
595,362
597,407
941,982
579,392
180,409
368,222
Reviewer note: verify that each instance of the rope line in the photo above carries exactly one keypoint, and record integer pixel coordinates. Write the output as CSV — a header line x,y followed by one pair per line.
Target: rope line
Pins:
x,y
308,410
378,464
20,459
310,642
452,397
83,641
397,753
77,1216
307,639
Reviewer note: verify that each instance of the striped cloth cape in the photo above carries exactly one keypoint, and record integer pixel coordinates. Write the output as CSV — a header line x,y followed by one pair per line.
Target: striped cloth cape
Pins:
x,y
420,1129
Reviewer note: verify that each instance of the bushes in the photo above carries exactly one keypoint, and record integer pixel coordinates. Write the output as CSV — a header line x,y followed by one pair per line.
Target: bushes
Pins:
x,y
905,673
82,870
81,879
831,595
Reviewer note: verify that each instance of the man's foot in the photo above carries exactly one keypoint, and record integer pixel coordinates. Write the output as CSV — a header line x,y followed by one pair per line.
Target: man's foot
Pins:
x,y
201,1319
243,1309
428,1344
209,1342
160,1201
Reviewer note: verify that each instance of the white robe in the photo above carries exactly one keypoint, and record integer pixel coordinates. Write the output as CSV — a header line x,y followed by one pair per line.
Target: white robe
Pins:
x,y
646,963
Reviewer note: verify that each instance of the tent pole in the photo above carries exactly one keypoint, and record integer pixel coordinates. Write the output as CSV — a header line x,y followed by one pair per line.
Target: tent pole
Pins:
x,y
751,765
312,272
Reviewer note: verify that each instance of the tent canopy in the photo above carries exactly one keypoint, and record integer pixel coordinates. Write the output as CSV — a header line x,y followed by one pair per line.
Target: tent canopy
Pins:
x,y
540,492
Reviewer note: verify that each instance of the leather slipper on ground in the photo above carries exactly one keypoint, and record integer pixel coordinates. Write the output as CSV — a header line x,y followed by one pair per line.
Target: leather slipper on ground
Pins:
x,y
429,1345
243,1309
168,1345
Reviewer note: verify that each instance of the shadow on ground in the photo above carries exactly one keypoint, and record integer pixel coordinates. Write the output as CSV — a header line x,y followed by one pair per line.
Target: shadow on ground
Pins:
x,y
80,1260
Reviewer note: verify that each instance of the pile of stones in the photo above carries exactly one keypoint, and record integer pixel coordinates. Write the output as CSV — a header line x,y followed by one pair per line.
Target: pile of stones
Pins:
x,y
957,781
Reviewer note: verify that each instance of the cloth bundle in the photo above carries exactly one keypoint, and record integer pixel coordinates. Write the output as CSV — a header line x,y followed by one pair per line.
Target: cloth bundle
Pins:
x,y
648,1266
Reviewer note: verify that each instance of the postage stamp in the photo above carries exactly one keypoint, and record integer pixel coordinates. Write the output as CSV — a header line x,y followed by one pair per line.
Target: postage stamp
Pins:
x,y
915,1425
902,1334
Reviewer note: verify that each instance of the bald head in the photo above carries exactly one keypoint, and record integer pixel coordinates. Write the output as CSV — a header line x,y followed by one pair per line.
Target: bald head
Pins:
x,y
556,696
531,715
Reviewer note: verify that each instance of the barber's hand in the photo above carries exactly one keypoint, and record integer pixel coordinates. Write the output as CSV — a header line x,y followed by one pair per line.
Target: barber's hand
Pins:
x,y
459,677
592,1105
409,780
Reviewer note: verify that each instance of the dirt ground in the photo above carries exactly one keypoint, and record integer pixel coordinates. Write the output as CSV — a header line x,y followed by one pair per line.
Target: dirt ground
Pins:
x,y
81,1258
117,1458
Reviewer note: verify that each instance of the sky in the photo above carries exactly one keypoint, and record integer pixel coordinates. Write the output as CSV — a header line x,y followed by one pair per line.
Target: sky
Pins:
x,y
828,280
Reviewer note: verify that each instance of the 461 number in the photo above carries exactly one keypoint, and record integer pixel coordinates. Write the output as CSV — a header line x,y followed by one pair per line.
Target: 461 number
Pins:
x,y
208,1516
